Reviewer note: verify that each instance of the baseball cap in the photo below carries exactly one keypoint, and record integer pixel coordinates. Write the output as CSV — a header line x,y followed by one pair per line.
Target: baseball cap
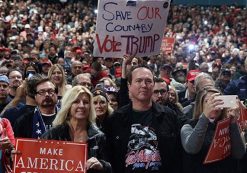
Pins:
x,y
179,67
100,91
45,61
167,67
4,78
192,75
14,26
27,26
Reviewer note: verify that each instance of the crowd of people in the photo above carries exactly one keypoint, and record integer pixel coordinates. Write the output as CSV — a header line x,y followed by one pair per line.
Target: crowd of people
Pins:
x,y
153,114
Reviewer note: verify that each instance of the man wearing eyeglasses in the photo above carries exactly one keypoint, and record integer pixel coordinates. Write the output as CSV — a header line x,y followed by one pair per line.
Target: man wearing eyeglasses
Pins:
x,y
15,80
34,124
160,91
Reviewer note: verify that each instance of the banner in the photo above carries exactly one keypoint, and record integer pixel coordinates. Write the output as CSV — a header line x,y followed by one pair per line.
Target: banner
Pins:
x,y
167,45
130,27
220,147
50,156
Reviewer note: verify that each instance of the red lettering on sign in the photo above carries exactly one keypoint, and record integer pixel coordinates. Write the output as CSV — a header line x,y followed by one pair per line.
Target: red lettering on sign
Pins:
x,y
109,45
148,13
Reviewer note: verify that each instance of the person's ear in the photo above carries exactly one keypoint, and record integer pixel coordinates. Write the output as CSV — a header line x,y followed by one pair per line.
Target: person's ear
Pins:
x,y
128,84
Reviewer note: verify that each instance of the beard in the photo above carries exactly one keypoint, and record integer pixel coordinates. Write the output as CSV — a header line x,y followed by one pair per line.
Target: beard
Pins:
x,y
180,79
48,102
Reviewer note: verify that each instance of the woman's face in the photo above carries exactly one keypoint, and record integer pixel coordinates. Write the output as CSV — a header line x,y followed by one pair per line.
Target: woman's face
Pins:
x,y
113,101
214,114
57,76
80,108
100,104
172,96
134,62
107,83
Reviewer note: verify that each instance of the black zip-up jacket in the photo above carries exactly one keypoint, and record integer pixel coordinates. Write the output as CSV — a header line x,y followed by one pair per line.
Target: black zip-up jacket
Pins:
x,y
165,123
96,143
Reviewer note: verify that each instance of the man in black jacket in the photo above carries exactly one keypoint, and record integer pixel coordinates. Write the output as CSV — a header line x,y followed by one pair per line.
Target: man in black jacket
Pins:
x,y
36,122
143,136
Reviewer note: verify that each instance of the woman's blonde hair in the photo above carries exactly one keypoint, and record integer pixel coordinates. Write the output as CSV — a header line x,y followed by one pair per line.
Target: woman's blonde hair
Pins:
x,y
68,99
198,109
179,105
63,83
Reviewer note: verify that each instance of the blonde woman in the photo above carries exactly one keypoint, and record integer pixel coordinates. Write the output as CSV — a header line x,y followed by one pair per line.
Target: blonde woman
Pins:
x,y
173,97
76,122
57,76
197,135
102,107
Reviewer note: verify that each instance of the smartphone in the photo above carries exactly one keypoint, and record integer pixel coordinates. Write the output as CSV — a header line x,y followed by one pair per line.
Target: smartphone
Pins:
x,y
230,101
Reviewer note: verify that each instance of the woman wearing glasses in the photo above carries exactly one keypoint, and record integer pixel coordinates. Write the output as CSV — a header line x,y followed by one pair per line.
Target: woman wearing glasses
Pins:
x,y
76,122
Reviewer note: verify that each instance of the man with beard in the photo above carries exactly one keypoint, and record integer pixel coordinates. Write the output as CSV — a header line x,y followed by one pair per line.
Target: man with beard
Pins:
x,y
179,74
160,91
15,80
4,94
34,124
160,95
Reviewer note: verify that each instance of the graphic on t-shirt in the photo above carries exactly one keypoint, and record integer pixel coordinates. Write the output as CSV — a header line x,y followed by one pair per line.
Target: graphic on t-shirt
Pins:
x,y
143,153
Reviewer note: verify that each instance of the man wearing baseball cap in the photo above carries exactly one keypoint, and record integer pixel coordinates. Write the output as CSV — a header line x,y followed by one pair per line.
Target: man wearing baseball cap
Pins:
x,y
189,95
4,95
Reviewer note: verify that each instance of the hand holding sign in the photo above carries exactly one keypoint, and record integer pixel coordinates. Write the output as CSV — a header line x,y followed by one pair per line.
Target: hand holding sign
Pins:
x,y
94,163
234,113
134,30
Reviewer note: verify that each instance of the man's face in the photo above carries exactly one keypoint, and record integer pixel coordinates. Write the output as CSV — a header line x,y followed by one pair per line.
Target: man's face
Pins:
x,y
45,95
4,90
85,81
108,62
15,79
76,69
46,68
160,93
191,86
52,51
142,84
180,76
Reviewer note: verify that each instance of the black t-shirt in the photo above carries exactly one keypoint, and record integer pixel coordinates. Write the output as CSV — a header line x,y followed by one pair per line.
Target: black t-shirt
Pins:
x,y
142,154
48,121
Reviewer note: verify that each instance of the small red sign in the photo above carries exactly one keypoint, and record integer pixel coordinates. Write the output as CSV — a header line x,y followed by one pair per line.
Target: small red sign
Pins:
x,y
50,156
242,120
221,145
167,45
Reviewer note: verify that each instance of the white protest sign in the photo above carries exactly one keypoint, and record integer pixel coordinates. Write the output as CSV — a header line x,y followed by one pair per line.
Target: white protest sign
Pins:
x,y
130,29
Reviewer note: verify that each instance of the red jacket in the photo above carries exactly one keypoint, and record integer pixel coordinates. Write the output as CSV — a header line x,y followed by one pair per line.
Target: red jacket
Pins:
x,y
6,130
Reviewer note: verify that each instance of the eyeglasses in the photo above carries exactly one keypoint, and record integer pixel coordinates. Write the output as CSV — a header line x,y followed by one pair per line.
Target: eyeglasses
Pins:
x,y
86,84
43,92
161,91
15,77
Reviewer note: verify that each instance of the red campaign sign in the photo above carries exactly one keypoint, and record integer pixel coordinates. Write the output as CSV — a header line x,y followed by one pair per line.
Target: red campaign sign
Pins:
x,y
50,156
220,147
167,44
243,116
